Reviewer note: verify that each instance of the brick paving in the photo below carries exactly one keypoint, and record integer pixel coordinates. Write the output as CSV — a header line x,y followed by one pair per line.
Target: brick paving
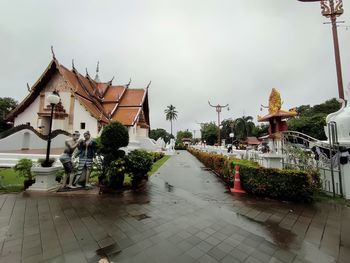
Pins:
x,y
184,214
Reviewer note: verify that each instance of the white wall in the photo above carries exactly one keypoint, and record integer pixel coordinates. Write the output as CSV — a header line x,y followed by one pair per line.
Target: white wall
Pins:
x,y
17,140
82,115
132,133
29,115
141,132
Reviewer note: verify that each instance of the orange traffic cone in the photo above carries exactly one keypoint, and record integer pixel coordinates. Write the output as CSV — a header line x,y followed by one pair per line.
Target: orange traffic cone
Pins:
x,y
237,188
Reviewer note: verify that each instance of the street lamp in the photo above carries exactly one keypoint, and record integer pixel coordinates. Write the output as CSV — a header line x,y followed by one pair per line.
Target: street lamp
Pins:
x,y
53,99
231,136
218,109
332,9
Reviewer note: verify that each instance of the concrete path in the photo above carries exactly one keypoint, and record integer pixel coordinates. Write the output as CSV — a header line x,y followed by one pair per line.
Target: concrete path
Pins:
x,y
184,214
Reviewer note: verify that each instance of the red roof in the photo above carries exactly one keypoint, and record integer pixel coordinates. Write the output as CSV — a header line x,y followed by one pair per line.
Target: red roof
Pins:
x,y
252,141
103,100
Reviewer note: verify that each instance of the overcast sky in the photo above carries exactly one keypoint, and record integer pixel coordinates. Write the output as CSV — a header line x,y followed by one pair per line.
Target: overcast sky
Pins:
x,y
225,51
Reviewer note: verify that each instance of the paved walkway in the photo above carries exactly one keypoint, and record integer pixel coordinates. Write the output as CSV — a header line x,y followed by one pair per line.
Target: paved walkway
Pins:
x,y
184,214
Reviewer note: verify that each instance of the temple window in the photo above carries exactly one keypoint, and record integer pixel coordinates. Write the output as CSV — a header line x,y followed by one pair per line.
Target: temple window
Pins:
x,y
82,125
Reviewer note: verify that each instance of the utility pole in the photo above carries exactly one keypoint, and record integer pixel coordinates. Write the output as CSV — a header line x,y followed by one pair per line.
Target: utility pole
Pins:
x,y
218,109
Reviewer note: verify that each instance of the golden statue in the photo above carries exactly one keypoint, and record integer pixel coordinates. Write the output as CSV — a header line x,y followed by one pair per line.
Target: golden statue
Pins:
x,y
275,102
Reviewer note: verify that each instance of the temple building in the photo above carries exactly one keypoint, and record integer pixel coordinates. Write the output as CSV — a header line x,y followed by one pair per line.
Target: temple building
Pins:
x,y
86,104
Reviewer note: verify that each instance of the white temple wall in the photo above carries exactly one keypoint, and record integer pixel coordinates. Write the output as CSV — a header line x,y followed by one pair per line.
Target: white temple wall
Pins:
x,y
30,115
83,117
141,132
132,133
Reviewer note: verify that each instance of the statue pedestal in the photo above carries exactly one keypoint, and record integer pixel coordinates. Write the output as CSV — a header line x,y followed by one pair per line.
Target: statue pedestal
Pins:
x,y
270,160
45,179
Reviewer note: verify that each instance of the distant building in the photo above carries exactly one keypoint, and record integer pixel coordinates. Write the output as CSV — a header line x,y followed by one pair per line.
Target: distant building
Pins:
x,y
86,104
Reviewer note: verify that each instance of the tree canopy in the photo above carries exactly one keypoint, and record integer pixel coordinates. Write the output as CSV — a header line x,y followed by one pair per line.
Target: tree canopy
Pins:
x,y
311,120
182,134
160,133
6,105
209,133
170,115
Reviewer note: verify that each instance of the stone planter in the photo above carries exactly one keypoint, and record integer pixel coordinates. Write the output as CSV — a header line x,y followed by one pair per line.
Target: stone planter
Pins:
x,y
45,179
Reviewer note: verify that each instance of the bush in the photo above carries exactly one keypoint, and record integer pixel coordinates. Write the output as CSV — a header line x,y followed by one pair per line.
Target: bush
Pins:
x,y
116,174
138,164
114,136
23,167
295,185
157,156
180,146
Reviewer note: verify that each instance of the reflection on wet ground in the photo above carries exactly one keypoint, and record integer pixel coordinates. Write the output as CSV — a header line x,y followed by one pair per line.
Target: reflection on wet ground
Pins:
x,y
183,214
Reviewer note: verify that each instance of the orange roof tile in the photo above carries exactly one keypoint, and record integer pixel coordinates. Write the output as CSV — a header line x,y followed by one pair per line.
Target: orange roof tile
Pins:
x,y
133,97
127,116
100,99
114,93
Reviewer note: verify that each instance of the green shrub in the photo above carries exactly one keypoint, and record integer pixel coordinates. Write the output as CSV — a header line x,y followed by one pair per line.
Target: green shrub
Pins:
x,y
293,185
114,136
138,164
157,156
23,167
180,146
116,174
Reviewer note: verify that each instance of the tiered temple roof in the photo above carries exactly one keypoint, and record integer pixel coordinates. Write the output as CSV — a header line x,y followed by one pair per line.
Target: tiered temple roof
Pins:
x,y
103,100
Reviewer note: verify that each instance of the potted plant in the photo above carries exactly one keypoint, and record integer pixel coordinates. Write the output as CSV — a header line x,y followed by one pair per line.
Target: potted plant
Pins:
x,y
116,174
138,164
23,167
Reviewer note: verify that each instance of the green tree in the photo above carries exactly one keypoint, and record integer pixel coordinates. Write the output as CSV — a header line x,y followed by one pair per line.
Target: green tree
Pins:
x,y
160,133
311,120
244,127
6,106
182,134
260,130
228,126
170,115
209,133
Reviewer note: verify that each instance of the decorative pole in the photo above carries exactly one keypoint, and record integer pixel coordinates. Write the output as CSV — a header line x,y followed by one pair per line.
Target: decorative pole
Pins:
x,y
332,9
218,109
53,99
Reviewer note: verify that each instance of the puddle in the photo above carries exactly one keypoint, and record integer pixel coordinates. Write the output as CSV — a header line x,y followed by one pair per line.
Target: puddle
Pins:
x,y
280,236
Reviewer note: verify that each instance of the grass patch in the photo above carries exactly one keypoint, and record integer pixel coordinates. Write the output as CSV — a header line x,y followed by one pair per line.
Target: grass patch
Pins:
x,y
10,181
158,164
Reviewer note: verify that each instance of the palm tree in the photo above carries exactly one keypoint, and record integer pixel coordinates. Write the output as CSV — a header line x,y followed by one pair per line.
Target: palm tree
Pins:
x,y
170,115
244,127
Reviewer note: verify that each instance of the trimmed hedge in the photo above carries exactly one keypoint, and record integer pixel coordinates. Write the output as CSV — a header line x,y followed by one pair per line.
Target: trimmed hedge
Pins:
x,y
294,185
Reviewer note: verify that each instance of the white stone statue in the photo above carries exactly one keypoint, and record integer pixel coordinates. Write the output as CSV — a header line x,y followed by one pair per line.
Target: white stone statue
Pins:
x,y
342,119
172,144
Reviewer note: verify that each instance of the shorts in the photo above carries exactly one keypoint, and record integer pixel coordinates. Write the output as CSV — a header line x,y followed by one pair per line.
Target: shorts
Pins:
x,y
68,167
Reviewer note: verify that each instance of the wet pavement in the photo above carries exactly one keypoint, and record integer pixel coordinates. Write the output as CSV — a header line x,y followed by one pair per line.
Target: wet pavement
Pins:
x,y
183,214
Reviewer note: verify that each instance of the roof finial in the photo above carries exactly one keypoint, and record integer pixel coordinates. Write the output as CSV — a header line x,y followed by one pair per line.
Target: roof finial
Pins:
x,y
111,80
97,79
127,85
86,71
53,53
149,84
28,87
73,64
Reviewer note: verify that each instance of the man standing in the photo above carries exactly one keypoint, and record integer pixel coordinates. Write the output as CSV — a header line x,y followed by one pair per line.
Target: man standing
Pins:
x,y
66,159
86,151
